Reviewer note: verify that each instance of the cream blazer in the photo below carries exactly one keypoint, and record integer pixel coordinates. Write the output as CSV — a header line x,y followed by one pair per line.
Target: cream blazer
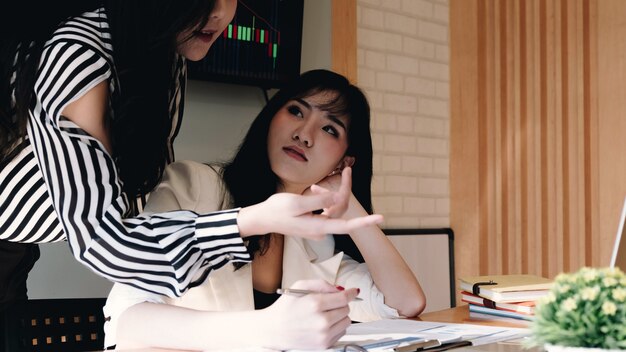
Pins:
x,y
193,186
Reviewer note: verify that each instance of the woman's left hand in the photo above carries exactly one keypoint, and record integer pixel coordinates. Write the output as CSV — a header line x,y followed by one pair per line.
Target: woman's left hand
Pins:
x,y
331,182
342,185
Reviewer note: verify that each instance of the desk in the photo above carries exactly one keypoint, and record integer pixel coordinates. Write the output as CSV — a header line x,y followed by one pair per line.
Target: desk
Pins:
x,y
461,315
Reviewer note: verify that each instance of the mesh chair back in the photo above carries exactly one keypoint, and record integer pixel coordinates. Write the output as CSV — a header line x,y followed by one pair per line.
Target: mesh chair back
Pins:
x,y
56,325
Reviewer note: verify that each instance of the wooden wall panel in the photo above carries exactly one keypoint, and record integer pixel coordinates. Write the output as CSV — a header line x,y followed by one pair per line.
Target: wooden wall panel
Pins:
x,y
469,95
343,38
538,153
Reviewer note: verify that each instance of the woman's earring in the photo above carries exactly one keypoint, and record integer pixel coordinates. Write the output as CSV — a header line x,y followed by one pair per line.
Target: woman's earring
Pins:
x,y
334,172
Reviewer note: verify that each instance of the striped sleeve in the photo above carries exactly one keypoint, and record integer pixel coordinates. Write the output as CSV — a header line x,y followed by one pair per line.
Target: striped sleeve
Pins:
x,y
161,253
26,212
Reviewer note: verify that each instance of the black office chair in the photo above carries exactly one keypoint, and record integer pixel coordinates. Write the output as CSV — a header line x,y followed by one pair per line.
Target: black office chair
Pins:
x,y
55,325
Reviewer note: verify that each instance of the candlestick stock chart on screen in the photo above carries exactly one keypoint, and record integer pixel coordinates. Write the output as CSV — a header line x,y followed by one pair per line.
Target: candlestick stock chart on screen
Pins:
x,y
261,46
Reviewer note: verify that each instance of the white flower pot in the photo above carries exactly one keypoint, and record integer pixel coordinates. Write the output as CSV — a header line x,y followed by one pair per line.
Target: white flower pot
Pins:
x,y
557,348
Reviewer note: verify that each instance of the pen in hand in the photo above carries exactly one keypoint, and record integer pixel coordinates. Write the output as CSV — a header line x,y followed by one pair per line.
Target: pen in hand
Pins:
x,y
299,293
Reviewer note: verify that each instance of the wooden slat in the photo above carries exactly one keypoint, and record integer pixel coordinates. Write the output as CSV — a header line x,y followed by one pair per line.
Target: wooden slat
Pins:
x,y
343,38
566,142
590,96
517,256
484,226
466,89
577,219
534,140
525,145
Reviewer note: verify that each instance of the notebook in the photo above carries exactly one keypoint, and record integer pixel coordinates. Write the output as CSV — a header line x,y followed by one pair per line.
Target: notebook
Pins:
x,y
618,259
507,288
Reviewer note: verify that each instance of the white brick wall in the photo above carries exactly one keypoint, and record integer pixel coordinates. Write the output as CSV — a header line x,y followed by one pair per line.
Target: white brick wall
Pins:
x,y
403,67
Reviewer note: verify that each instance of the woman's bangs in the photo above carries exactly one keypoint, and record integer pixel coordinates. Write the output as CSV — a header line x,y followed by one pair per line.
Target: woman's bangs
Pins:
x,y
336,104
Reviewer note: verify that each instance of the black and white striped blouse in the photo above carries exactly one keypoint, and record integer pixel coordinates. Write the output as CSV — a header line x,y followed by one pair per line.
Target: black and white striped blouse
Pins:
x,y
64,185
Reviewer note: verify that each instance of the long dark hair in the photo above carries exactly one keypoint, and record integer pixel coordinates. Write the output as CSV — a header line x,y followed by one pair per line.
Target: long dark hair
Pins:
x,y
249,178
144,39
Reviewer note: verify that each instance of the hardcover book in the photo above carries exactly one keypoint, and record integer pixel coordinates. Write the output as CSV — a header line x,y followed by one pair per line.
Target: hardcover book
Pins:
x,y
525,307
480,312
507,288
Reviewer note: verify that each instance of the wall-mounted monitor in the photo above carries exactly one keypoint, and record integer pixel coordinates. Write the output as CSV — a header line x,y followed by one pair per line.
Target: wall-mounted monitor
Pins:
x,y
260,47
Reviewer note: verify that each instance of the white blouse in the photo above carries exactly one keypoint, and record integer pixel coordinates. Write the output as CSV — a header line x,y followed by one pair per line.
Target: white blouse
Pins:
x,y
198,187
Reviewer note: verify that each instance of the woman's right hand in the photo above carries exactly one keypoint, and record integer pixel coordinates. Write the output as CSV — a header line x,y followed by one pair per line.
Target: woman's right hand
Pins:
x,y
313,321
292,214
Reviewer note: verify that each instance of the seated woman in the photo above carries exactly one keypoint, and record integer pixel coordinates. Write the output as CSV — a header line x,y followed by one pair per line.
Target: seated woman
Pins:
x,y
314,131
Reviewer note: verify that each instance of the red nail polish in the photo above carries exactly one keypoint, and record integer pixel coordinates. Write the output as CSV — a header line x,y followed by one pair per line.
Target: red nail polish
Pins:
x,y
340,288
358,290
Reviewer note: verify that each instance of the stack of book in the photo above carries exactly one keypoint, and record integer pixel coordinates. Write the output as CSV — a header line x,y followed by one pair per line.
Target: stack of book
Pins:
x,y
510,296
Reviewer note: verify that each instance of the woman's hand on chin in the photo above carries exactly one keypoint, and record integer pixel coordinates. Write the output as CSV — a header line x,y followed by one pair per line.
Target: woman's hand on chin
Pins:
x,y
292,214
330,183
341,186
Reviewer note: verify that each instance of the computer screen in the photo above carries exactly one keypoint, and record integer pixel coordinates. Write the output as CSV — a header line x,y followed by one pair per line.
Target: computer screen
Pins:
x,y
260,47
618,259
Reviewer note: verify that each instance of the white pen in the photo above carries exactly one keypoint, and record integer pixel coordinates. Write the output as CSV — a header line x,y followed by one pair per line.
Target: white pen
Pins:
x,y
300,293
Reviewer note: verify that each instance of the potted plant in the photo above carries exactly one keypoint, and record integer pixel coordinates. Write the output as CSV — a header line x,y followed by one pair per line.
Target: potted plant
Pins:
x,y
583,310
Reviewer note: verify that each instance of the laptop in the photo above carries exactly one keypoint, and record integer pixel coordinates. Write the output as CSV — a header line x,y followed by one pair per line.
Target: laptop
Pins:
x,y
618,259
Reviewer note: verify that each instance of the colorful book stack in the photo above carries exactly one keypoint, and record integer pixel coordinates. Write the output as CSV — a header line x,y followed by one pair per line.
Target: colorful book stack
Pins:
x,y
510,296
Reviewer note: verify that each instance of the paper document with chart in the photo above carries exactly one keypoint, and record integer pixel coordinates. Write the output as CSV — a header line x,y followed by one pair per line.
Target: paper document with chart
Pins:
x,y
446,333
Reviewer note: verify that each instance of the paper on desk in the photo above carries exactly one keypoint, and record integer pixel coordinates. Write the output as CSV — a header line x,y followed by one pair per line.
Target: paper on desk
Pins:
x,y
366,339
445,332
370,339
399,326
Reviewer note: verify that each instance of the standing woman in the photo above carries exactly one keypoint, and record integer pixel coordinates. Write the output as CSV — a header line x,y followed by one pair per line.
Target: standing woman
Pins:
x,y
91,99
